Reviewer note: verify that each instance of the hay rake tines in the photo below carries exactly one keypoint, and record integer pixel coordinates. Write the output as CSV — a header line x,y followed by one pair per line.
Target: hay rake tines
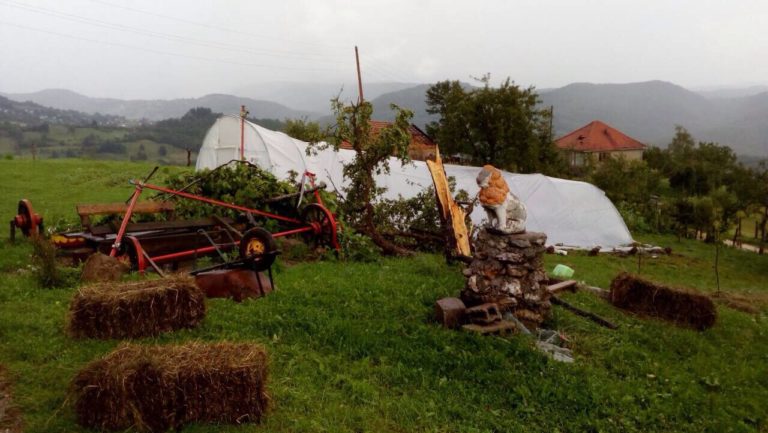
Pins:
x,y
257,246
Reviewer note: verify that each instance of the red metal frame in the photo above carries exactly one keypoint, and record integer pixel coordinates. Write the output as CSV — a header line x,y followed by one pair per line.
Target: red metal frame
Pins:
x,y
141,263
140,186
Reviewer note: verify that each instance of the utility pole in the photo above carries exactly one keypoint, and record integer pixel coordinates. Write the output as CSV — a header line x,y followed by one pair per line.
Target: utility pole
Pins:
x,y
359,79
551,117
243,115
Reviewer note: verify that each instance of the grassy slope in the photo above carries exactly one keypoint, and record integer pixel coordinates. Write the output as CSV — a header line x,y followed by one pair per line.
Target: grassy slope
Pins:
x,y
352,347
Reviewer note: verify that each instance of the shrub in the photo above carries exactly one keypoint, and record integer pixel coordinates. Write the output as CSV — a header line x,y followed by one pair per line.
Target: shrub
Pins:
x,y
49,274
243,184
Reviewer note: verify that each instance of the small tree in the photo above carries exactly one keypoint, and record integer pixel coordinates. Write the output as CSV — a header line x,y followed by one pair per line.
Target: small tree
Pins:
x,y
304,130
372,153
503,125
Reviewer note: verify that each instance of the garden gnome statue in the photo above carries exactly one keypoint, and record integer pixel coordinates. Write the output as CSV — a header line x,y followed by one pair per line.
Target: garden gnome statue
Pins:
x,y
506,213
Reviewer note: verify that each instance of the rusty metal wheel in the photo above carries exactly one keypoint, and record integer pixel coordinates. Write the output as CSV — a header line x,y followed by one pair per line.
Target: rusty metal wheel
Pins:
x,y
30,223
258,248
323,226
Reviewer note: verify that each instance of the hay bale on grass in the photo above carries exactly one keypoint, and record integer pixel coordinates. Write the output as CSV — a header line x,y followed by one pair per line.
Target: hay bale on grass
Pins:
x,y
136,309
101,267
156,388
682,306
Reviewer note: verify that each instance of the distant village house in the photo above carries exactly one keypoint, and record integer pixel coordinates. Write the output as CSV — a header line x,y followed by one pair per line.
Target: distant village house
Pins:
x,y
598,141
421,147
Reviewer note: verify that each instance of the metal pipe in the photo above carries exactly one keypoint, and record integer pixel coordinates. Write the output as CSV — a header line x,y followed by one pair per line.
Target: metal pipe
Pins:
x,y
293,232
126,219
182,254
223,204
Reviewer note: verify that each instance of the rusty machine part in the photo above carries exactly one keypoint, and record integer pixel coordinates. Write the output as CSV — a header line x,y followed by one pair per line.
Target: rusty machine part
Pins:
x,y
324,228
26,220
258,249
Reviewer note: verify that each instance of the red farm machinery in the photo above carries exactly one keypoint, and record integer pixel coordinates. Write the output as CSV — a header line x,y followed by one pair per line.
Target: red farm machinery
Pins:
x,y
155,244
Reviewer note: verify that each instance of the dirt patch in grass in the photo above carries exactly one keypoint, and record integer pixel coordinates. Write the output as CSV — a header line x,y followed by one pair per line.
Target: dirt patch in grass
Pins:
x,y
10,416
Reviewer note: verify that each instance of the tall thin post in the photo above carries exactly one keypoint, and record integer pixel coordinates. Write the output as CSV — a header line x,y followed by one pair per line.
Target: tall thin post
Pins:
x,y
359,79
243,115
551,116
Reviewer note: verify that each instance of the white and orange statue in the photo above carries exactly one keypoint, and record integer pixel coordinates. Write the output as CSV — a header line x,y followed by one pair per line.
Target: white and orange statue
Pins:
x,y
506,213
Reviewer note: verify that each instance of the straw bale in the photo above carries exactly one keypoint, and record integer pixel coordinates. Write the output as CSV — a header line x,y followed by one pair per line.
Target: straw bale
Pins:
x,y
136,309
156,388
101,267
684,307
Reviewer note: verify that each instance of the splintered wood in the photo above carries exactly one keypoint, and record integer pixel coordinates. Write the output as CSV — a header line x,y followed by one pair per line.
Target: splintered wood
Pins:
x,y
451,214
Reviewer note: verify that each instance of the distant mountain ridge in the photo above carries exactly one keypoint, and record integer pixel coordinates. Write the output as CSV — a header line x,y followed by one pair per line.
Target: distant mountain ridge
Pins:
x,y
315,96
33,114
650,110
647,111
158,109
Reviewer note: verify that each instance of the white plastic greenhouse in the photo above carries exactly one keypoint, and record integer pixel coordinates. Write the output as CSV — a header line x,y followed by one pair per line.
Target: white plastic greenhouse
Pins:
x,y
573,214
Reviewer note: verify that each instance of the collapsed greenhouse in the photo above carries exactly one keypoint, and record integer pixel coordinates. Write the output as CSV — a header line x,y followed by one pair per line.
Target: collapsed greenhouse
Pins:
x,y
571,213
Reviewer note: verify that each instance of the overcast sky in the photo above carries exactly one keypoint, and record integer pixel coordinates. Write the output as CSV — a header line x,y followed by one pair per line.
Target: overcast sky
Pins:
x,y
174,48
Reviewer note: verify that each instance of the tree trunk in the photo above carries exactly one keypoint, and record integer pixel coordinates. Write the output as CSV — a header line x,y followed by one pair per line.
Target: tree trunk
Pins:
x,y
762,230
369,229
369,226
717,264
756,229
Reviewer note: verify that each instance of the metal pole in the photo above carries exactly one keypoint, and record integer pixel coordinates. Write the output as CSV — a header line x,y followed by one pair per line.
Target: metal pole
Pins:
x,y
243,114
126,219
551,117
359,79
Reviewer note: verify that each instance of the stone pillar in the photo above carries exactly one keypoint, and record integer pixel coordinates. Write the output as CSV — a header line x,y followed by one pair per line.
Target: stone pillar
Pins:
x,y
507,269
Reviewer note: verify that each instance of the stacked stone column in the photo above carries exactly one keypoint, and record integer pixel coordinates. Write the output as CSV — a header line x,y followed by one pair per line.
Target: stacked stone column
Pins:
x,y
508,270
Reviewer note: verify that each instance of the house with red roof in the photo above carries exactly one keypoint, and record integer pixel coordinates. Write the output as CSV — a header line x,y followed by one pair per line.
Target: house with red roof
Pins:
x,y
598,141
421,147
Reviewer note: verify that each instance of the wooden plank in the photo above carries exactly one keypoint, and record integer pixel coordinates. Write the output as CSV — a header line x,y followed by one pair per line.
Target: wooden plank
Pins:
x,y
451,213
161,225
502,326
84,209
583,313
561,286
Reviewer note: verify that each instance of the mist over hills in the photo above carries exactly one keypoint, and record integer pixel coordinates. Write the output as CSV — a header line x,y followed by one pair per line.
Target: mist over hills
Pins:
x,y
647,111
314,96
158,109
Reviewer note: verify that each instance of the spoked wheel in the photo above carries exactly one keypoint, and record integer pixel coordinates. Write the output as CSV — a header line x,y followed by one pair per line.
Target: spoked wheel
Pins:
x,y
258,248
323,226
30,223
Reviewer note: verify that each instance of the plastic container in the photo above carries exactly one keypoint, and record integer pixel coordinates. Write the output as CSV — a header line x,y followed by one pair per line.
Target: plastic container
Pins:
x,y
563,272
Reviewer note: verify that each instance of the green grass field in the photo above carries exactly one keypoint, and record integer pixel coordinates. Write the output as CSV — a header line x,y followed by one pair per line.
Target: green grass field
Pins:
x,y
70,140
352,347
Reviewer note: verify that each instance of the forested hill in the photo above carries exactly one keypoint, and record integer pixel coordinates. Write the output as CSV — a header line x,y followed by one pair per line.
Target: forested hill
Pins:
x,y
158,109
31,113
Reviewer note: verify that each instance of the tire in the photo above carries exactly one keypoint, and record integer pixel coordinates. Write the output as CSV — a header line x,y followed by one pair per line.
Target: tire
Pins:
x,y
258,248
